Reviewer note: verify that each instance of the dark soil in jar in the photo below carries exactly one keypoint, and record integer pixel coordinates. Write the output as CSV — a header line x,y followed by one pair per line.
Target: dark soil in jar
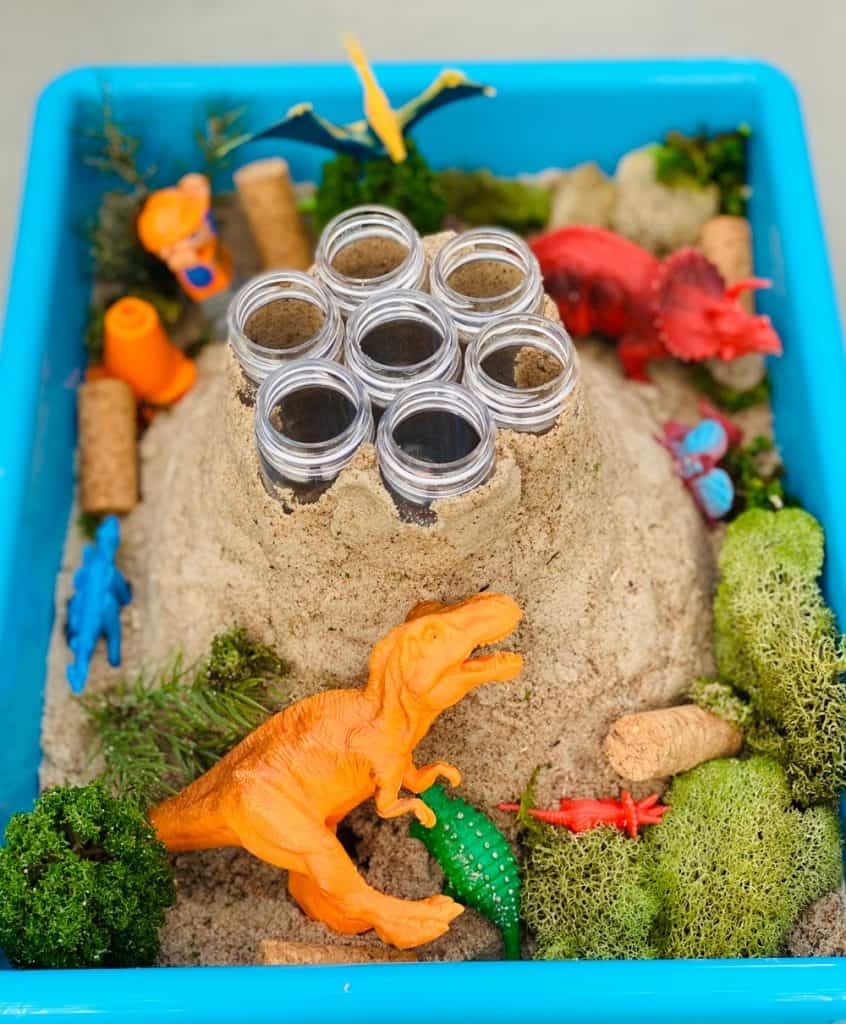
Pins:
x,y
401,342
436,436
312,415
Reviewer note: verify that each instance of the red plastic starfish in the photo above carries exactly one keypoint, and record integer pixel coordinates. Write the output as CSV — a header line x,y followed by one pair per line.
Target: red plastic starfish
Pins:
x,y
626,814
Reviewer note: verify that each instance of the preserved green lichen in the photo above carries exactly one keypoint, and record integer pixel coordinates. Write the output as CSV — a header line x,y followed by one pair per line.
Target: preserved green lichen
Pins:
x,y
83,883
721,699
587,895
480,198
776,642
734,863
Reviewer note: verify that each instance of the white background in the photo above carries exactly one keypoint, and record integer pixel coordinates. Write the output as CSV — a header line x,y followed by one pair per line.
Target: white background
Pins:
x,y
41,38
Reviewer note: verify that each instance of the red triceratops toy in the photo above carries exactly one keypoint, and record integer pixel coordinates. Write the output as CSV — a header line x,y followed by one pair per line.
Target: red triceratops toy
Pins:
x,y
605,284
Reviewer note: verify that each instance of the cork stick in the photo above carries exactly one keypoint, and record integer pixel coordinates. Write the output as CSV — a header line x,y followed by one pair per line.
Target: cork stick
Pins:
x,y
653,744
108,459
727,242
272,951
265,191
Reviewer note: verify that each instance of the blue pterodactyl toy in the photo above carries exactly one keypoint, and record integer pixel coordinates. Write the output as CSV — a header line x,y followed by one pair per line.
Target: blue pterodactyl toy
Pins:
x,y
382,130
100,591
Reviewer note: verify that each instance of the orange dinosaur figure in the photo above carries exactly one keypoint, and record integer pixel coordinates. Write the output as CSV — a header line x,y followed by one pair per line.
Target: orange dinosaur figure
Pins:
x,y
282,791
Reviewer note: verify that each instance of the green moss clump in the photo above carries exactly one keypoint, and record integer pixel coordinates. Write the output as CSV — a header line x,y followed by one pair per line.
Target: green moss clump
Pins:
x,y
756,476
83,883
411,187
587,896
157,734
723,395
776,642
696,161
480,198
733,863
722,700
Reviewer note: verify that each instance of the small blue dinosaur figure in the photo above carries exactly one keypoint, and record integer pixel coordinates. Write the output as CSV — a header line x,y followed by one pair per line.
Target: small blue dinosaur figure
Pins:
x,y
100,591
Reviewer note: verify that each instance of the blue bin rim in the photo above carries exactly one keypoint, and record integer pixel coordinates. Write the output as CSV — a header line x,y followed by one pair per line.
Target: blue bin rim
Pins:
x,y
776,990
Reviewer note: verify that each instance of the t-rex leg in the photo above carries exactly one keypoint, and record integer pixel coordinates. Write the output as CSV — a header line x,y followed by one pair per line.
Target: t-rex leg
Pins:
x,y
276,830
389,804
318,906
402,923
420,779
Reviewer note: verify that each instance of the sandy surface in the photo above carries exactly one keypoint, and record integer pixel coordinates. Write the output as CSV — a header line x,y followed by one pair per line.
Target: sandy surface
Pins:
x,y
586,526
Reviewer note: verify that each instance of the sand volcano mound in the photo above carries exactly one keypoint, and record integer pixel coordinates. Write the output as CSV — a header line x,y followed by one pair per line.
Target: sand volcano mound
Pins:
x,y
585,526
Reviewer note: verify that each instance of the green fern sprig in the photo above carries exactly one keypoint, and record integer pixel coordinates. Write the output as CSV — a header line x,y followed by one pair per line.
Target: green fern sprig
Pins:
x,y
159,732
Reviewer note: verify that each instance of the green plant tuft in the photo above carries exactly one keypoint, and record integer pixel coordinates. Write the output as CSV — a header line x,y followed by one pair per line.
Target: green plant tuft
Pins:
x,y
480,198
156,734
696,161
776,642
723,395
117,255
733,863
83,883
587,896
114,151
410,186
756,475
220,133
722,700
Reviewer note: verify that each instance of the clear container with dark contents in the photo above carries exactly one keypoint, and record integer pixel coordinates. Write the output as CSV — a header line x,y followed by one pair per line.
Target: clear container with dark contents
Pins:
x,y
368,250
524,368
398,339
435,440
311,417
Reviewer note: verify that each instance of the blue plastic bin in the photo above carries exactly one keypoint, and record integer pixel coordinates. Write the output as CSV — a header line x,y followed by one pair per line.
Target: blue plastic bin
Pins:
x,y
545,114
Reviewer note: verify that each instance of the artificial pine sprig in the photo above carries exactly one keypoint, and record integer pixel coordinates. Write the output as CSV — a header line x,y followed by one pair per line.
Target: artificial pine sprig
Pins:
x,y
159,732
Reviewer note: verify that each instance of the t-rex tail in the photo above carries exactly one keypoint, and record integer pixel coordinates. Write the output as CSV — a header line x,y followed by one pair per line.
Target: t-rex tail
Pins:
x,y
184,822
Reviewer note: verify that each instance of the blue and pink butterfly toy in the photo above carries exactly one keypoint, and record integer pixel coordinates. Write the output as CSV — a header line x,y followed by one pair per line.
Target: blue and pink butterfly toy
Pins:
x,y
696,453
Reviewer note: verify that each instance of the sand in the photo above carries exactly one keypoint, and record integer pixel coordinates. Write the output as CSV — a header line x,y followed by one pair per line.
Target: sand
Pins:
x,y
586,526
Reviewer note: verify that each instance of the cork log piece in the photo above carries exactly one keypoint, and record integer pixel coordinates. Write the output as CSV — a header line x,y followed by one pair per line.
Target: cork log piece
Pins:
x,y
264,188
653,744
108,459
272,951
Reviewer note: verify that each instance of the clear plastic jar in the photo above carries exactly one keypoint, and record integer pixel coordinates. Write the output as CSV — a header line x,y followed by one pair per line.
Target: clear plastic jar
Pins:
x,y
484,274
524,368
311,417
367,250
435,440
280,316
400,338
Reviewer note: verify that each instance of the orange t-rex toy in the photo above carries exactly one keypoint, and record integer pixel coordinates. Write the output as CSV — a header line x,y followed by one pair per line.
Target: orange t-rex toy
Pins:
x,y
282,791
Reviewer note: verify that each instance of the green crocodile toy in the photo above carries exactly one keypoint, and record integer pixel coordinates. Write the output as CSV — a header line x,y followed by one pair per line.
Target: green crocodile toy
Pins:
x,y
479,864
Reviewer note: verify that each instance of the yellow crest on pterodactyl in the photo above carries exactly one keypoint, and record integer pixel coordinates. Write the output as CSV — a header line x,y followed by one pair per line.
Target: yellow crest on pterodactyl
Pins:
x,y
380,115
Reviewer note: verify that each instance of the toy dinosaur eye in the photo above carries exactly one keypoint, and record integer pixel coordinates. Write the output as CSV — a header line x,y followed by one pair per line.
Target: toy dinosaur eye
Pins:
x,y
430,634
